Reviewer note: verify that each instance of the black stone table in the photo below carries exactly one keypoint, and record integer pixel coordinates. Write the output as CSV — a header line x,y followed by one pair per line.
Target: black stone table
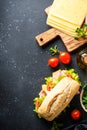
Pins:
x,y
23,64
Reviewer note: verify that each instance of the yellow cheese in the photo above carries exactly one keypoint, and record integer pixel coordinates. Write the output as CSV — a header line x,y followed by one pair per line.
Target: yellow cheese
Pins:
x,y
63,23
67,14
72,11
62,29
62,26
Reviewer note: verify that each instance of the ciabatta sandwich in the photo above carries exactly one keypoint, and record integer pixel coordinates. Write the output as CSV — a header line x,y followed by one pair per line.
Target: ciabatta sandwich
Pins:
x,y
56,93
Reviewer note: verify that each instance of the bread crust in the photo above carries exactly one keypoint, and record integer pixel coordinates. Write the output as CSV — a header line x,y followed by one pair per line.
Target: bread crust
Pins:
x,y
58,98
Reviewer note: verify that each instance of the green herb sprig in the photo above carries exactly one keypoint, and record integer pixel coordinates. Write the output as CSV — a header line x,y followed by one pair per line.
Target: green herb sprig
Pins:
x,y
56,126
84,97
81,32
54,50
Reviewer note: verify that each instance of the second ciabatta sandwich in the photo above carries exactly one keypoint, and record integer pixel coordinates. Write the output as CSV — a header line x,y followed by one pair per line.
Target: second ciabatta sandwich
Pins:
x,y
56,93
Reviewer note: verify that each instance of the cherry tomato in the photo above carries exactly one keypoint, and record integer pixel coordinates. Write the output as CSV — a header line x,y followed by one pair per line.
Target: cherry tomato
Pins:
x,y
53,62
69,75
49,86
76,114
37,104
65,57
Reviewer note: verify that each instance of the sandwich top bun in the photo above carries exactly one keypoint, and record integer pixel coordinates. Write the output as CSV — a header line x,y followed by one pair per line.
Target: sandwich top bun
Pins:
x,y
58,98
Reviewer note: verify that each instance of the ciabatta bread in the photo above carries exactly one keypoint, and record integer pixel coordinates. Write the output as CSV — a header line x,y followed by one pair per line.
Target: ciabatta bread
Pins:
x,y
58,98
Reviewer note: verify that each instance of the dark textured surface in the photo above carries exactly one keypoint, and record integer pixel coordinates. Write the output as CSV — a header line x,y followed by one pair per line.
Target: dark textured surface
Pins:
x,y
23,64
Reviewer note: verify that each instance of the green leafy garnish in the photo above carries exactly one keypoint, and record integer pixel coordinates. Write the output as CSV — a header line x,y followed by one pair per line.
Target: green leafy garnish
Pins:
x,y
54,50
48,79
54,82
40,99
81,32
56,126
74,75
84,97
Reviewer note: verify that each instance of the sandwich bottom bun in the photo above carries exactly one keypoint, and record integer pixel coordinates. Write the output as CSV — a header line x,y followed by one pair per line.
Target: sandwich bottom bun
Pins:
x,y
58,98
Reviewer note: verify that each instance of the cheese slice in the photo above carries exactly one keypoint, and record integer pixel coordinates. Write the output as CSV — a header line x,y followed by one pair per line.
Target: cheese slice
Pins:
x,y
63,23
62,26
67,13
62,29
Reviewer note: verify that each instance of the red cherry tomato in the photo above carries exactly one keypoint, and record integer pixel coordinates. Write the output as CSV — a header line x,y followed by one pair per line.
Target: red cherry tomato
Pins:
x,y
49,86
65,57
76,114
37,104
53,62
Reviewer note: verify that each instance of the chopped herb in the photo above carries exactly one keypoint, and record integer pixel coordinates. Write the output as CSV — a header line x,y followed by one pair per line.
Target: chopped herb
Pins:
x,y
56,126
81,32
54,50
84,97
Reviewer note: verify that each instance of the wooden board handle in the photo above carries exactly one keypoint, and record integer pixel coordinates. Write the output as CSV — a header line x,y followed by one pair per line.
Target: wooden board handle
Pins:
x,y
46,36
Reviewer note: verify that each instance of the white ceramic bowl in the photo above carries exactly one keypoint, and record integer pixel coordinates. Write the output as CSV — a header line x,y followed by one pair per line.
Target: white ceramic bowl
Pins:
x,y
81,95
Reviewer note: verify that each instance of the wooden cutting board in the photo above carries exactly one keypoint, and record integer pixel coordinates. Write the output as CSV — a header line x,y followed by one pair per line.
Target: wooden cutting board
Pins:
x,y
70,43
